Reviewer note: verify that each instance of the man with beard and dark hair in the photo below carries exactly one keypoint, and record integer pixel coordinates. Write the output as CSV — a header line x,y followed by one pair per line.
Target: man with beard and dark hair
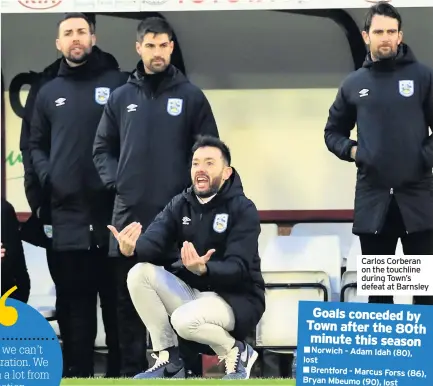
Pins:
x,y
214,294
390,99
66,115
142,152
39,200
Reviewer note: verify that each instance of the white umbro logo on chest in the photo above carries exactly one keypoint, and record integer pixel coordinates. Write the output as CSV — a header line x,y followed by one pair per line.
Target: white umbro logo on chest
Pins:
x,y
60,102
364,92
131,108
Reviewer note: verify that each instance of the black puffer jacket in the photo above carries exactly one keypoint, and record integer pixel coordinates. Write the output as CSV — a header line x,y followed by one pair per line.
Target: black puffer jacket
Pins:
x,y
66,115
391,102
230,224
143,144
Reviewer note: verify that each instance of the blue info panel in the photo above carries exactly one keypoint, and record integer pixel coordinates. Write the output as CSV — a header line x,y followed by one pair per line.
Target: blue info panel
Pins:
x,y
364,344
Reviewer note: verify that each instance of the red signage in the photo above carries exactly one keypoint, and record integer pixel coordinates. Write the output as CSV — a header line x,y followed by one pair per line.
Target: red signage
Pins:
x,y
39,4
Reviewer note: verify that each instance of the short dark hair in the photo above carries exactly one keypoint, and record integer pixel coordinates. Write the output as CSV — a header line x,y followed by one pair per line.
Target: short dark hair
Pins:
x,y
207,140
382,8
155,25
92,18
78,15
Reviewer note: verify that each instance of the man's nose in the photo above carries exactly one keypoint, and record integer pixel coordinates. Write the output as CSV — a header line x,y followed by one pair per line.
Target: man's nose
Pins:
x,y
157,53
201,171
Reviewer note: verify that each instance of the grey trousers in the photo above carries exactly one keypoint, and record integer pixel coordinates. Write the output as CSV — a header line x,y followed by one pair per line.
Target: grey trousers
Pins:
x,y
202,317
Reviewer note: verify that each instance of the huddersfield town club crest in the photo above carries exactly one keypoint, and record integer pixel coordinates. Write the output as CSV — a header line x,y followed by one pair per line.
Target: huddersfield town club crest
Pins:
x,y
101,95
220,222
174,106
406,87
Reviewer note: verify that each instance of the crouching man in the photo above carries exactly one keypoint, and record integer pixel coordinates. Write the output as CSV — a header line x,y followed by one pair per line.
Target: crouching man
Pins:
x,y
214,294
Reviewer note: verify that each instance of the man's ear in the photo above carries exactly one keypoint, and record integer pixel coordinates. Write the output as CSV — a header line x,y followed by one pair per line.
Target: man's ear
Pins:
x,y
400,37
59,48
227,172
365,37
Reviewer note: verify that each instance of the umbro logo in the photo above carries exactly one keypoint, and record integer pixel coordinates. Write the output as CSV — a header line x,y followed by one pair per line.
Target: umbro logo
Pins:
x,y
60,102
131,108
364,92
186,220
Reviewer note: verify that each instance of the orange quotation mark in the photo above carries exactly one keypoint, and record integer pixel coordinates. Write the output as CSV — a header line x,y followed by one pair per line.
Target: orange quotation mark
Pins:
x,y
8,314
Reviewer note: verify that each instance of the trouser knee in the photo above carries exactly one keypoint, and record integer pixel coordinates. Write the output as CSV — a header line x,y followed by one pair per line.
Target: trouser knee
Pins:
x,y
184,325
139,274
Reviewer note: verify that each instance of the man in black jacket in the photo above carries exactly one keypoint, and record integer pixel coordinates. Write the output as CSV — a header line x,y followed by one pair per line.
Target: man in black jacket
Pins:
x,y
66,114
13,263
391,100
39,225
215,293
38,202
141,151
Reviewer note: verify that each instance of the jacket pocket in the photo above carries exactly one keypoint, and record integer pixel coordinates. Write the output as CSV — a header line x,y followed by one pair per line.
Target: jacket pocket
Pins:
x,y
360,161
366,167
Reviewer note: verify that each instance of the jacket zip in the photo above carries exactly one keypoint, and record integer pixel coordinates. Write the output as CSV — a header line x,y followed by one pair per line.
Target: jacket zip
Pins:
x,y
385,212
91,236
208,286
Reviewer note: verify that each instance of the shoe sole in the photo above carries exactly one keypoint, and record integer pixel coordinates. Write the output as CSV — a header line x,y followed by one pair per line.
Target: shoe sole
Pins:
x,y
179,375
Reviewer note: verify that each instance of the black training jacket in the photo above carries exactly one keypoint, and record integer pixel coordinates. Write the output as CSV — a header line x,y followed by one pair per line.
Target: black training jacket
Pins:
x,y
66,115
143,144
34,194
391,102
230,224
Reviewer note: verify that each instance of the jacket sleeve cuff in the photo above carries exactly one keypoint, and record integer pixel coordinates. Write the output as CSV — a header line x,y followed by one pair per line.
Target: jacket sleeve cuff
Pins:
x,y
212,268
128,257
351,143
